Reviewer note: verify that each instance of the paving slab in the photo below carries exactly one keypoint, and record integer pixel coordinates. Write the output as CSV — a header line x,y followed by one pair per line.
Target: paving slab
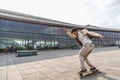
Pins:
x,y
59,65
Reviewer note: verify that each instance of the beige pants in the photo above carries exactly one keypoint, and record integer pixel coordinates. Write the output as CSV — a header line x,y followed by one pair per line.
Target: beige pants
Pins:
x,y
83,54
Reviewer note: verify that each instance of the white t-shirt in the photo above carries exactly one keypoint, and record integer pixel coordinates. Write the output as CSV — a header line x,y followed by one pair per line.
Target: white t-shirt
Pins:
x,y
84,39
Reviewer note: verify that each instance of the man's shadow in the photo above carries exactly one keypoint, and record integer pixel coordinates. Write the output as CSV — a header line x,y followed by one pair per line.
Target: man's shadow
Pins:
x,y
97,75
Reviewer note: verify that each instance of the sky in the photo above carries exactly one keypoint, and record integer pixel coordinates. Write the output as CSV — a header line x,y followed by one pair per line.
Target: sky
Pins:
x,y
101,13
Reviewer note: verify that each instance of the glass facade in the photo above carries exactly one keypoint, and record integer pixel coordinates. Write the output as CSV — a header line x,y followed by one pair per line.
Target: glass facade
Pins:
x,y
32,36
110,39
35,36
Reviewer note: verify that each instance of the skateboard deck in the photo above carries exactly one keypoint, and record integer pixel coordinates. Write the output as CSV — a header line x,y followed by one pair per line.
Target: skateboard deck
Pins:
x,y
88,73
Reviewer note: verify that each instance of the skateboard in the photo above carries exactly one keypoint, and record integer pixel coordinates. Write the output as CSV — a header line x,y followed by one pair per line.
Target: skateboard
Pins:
x,y
85,74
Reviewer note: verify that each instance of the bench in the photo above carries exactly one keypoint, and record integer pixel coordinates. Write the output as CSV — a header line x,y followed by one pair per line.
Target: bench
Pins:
x,y
22,53
75,47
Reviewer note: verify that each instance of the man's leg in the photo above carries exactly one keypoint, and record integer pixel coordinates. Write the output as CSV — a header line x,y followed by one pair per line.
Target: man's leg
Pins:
x,y
82,59
82,55
82,62
86,59
88,62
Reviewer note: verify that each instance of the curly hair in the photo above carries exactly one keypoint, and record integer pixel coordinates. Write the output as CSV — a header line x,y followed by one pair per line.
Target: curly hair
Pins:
x,y
74,30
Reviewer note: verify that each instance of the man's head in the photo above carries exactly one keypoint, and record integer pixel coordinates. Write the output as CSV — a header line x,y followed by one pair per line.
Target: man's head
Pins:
x,y
75,31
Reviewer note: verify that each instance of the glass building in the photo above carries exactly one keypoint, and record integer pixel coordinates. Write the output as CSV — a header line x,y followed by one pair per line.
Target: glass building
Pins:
x,y
31,32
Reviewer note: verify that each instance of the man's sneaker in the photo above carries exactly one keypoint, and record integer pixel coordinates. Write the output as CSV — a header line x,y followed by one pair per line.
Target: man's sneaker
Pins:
x,y
92,69
83,71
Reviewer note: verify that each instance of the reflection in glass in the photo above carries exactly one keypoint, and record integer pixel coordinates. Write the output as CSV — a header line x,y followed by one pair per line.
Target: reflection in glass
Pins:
x,y
33,36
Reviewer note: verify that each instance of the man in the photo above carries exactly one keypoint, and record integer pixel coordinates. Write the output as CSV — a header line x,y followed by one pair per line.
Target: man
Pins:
x,y
83,37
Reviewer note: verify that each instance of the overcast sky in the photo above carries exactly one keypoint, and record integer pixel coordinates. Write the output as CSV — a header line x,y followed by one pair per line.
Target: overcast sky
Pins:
x,y
102,13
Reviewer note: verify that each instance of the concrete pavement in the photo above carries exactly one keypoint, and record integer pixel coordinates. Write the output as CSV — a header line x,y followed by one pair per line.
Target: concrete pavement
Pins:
x,y
59,65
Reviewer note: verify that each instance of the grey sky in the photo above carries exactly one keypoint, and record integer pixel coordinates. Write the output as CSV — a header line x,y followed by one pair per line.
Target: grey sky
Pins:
x,y
102,13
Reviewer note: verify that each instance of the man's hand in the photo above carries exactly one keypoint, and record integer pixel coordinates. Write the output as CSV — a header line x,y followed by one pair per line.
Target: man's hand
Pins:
x,y
65,29
101,37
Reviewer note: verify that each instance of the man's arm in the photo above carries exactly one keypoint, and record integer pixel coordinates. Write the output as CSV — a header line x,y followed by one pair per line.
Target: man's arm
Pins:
x,y
78,42
91,34
95,35
72,36
84,31
69,33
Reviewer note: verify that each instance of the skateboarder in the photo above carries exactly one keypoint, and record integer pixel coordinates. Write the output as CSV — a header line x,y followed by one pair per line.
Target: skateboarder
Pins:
x,y
83,37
